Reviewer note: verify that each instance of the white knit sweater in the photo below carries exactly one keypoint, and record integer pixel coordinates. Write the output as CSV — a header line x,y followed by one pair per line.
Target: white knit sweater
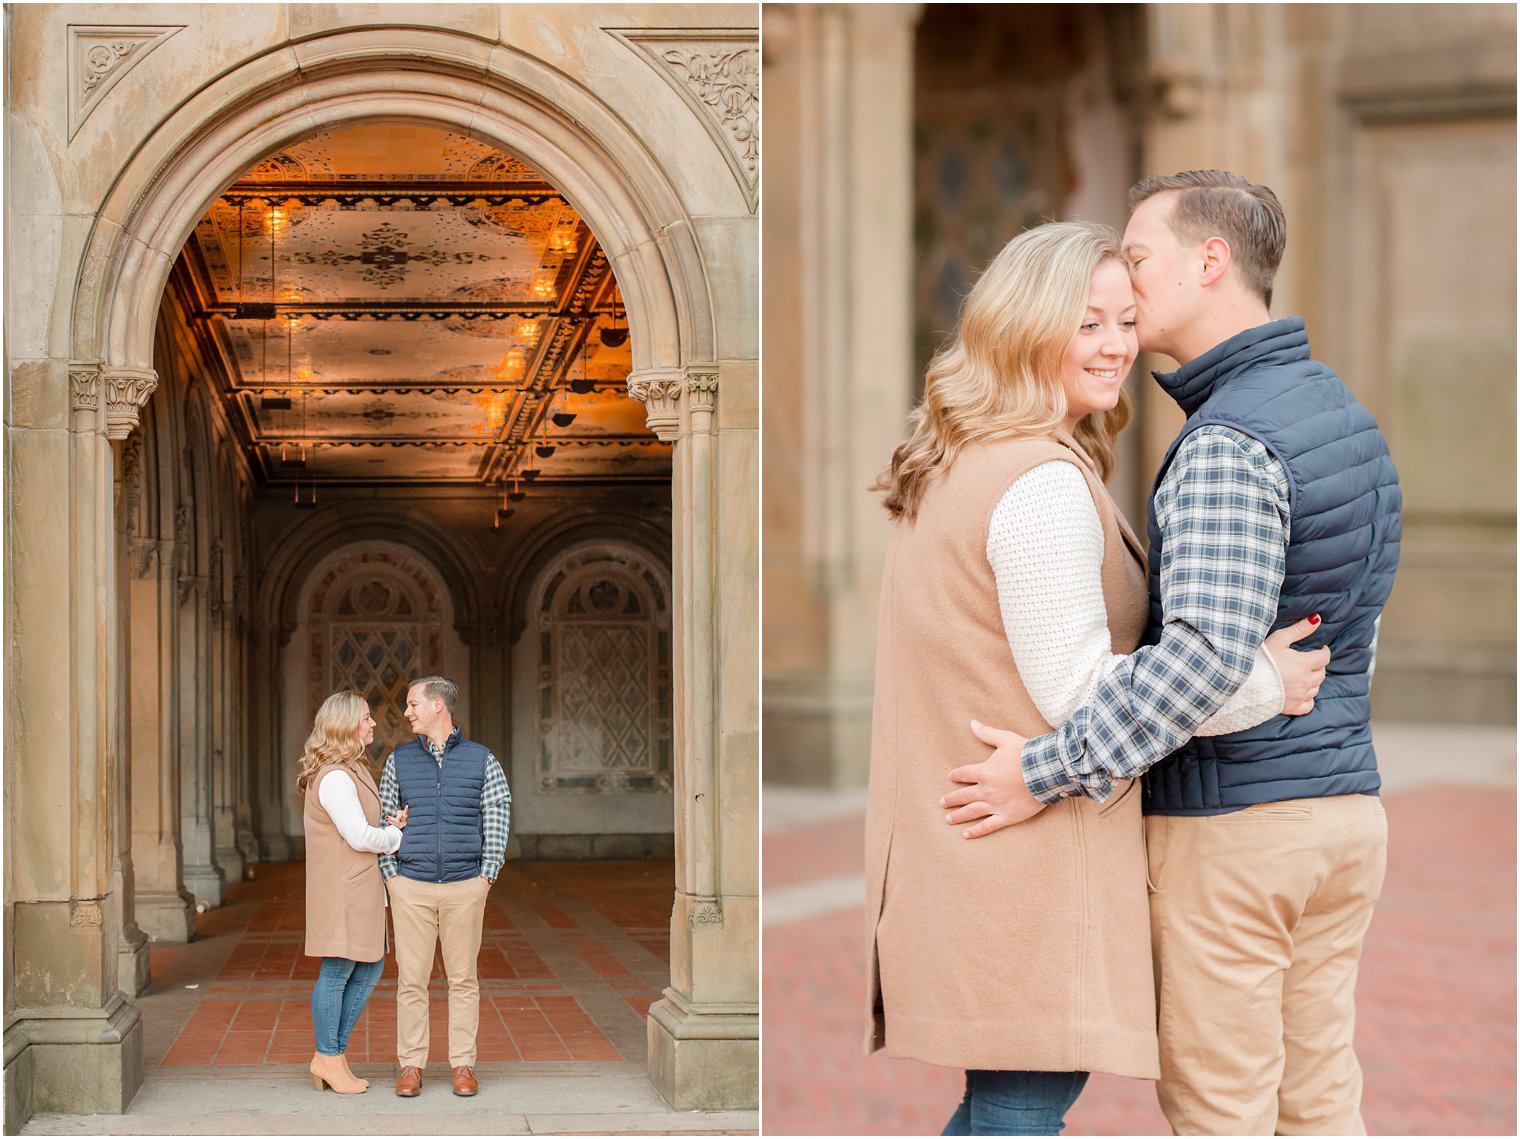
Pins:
x,y
1045,544
339,796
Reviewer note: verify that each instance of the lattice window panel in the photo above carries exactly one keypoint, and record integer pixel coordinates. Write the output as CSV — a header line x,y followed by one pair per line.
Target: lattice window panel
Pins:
x,y
604,677
375,625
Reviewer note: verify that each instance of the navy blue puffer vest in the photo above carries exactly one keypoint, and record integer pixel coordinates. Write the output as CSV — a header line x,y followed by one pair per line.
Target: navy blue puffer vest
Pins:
x,y
1343,548
442,839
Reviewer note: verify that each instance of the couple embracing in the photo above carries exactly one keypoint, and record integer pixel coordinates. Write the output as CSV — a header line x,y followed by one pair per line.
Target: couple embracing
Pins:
x,y
445,805
1176,842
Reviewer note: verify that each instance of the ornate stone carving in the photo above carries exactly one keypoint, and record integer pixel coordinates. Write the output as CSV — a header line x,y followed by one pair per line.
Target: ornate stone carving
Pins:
x,y
705,913
143,550
127,390
84,387
717,72
86,913
702,386
99,55
660,393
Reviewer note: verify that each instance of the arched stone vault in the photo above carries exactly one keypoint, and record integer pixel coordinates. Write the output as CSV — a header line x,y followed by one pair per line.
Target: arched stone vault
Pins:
x,y
703,1035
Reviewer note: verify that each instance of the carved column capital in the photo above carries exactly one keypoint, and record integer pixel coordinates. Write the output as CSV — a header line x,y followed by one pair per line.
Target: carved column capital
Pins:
x,y
702,387
127,390
659,390
705,913
84,387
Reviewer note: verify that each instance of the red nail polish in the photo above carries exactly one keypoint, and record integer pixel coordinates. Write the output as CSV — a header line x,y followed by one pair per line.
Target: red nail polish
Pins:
x,y
1314,620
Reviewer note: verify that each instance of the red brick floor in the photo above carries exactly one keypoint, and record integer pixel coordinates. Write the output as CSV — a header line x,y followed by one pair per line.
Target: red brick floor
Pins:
x,y
572,956
1436,998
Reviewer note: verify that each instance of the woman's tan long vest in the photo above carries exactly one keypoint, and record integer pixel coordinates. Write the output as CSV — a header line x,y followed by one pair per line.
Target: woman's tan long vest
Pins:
x,y
1028,948
345,891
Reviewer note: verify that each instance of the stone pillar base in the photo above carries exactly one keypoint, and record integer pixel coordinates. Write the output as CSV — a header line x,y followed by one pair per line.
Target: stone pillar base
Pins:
x,y
207,884
166,917
132,974
76,1061
704,1060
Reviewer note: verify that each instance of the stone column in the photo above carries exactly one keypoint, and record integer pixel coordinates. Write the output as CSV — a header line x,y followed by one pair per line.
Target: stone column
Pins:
x,y
704,1033
265,738
73,1041
203,877
838,254
164,908
132,962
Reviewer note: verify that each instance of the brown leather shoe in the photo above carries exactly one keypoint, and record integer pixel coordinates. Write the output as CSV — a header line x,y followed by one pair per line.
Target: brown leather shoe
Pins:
x,y
464,1080
409,1082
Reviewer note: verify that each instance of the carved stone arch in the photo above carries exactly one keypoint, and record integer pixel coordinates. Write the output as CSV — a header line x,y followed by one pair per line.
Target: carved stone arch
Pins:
x,y
507,99
546,542
313,538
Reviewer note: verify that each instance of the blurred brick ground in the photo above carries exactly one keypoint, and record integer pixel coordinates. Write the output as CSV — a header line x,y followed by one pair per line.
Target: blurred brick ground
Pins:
x,y
1436,1000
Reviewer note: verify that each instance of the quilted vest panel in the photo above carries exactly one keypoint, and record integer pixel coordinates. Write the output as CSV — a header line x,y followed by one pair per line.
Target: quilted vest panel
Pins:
x,y
1343,548
442,841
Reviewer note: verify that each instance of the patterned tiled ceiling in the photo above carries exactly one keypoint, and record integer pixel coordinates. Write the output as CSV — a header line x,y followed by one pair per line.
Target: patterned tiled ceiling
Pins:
x,y
440,314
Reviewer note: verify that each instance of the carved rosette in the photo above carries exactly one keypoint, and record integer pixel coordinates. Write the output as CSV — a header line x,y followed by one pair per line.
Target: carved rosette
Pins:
x,y
660,393
99,55
127,390
705,913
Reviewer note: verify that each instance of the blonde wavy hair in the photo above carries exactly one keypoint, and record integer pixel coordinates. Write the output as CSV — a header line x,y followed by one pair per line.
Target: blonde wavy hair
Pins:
x,y
1000,374
334,736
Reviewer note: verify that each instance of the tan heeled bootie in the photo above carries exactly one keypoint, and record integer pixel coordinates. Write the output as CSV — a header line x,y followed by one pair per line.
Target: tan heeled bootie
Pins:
x,y
331,1071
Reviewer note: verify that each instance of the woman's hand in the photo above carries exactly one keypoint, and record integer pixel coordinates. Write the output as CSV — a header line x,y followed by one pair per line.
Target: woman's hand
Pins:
x,y
1302,672
399,821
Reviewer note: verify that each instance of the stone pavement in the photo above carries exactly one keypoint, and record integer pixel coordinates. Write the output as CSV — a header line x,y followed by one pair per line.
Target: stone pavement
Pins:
x,y
1436,998
573,955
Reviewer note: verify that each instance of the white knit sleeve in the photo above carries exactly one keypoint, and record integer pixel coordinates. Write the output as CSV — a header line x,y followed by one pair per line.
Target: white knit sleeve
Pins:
x,y
1045,546
340,799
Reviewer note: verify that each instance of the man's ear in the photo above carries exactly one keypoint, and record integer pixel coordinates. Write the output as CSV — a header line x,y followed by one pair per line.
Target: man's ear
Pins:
x,y
1216,260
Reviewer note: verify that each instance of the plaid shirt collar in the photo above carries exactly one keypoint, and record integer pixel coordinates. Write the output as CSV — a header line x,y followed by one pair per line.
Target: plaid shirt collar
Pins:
x,y
438,752
1276,342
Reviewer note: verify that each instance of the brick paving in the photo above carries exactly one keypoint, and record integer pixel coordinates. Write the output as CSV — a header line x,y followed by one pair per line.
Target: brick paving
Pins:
x,y
572,956
1436,999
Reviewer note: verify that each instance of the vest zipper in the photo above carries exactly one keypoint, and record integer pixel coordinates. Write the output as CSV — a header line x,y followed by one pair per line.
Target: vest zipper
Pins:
x,y
438,824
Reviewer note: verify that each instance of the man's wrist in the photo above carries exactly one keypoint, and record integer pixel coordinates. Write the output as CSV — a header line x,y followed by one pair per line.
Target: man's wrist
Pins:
x,y
1044,775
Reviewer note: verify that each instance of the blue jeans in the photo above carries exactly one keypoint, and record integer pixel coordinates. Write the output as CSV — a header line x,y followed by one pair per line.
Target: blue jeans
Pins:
x,y
1016,1103
337,1000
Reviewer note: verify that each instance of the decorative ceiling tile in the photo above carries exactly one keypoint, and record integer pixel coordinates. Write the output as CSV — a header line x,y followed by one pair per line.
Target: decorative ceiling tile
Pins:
x,y
99,55
717,72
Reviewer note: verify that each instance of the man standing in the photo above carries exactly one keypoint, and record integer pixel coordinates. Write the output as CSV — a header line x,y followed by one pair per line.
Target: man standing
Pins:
x,y
460,809
1276,502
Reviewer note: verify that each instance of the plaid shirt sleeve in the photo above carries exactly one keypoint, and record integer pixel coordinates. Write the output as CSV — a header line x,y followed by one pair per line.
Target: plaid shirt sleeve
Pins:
x,y
495,818
1222,510
390,804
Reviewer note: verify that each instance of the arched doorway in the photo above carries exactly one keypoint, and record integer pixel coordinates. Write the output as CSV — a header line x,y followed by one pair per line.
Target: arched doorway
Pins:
x,y
702,1046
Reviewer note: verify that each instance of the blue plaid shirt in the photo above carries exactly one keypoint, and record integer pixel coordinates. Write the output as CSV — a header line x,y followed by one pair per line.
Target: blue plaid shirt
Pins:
x,y
1222,510
495,810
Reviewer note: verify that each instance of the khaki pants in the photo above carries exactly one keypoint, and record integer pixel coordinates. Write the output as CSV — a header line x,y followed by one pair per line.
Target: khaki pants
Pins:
x,y
425,914
1257,919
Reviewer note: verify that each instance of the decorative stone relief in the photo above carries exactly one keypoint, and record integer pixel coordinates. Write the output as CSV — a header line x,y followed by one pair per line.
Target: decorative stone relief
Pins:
x,y
717,72
99,55
143,552
660,393
704,912
702,386
86,913
84,387
127,390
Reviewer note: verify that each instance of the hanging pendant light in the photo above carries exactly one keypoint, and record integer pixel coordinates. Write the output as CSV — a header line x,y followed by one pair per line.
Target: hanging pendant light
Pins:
x,y
614,337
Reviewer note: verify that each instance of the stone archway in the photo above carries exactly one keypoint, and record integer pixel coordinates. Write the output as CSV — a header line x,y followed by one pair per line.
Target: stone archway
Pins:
x,y
703,1036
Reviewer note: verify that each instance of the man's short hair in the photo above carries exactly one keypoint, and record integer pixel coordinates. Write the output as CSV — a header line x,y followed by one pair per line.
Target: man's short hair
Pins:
x,y
438,688
1216,203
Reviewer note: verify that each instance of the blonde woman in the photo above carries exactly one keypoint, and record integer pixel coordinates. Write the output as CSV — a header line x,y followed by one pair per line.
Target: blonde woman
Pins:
x,y
1011,581
345,894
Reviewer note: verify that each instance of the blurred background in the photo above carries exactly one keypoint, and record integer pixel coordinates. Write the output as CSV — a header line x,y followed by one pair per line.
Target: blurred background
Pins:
x,y
907,144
